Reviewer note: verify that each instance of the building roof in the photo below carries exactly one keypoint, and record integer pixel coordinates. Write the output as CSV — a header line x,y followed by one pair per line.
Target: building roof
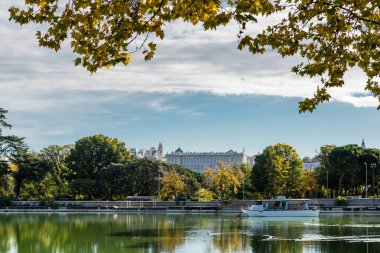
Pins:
x,y
179,150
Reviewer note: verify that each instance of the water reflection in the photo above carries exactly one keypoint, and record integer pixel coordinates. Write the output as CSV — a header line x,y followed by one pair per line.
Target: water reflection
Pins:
x,y
71,233
325,235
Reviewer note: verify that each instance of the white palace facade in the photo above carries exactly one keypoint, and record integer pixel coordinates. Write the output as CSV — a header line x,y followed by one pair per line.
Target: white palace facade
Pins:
x,y
198,161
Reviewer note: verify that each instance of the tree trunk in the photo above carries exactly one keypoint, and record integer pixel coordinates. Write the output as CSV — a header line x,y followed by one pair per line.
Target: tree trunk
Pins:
x,y
340,184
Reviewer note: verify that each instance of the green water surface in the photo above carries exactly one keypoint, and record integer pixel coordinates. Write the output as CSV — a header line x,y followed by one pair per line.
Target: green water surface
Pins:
x,y
117,233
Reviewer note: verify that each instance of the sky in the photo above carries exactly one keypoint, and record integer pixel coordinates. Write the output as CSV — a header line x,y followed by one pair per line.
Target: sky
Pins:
x,y
199,93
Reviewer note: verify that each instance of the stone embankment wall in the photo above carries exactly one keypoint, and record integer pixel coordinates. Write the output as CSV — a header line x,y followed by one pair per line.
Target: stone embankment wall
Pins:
x,y
167,204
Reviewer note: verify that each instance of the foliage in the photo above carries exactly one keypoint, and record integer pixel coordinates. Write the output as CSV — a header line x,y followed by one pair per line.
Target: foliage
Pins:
x,y
30,168
257,195
247,182
204,195
116,181
92,153
4,201
145,177
88,157
84,188
225,180
309,184
6,185
193,180
9,144
57,155
322,170
371,156
340,201
139,177
345,167
330,36
277,171
39,190
173,185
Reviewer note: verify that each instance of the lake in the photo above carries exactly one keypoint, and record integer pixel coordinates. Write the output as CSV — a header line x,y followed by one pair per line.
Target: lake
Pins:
x,y
185,233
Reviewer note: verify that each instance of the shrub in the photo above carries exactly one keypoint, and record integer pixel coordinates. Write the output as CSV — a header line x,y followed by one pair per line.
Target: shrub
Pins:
x,y
5,201
340,201
204,195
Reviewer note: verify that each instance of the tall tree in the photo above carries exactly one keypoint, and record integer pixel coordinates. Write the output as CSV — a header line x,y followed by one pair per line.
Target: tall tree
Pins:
x,y
324,172
225,180
57,155
31,168
9,145
277,171
91,154
331,36
193,180
371,156
173,185
344,163
116,181
146,177
309,183
247,182
7,183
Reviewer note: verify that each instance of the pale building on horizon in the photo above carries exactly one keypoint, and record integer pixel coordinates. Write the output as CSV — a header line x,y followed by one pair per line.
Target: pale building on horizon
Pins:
x,y
198,161
151,154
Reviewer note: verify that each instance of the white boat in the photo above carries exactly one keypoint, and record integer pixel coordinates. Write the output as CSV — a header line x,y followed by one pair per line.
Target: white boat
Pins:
x,y
281,207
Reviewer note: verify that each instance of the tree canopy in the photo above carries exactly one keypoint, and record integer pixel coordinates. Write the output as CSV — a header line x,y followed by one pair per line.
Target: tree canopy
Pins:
x,y
225,180
278,171
331,36
345,168
31,169
9,145
92,153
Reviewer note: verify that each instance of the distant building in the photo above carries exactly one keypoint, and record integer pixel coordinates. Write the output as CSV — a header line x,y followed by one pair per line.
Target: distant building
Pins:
x,y
133,151
311,166
152,153
199,161
160,152
363,143
251,160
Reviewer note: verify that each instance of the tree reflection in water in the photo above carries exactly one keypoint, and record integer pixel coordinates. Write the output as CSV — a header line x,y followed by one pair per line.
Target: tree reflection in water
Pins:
x,y
118,233
90,233
228,236
324,235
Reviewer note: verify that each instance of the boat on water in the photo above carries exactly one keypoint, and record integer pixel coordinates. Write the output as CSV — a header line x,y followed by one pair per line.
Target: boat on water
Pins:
x,y
281,207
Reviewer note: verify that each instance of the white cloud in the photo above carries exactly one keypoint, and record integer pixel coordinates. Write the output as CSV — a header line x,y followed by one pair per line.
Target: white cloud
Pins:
x,y
188,60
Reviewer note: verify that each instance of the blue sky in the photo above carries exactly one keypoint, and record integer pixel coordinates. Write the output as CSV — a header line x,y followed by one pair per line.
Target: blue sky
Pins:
x,y
199,92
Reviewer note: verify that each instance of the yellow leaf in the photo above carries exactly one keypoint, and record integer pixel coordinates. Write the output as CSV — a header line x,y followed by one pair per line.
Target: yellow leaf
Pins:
x,y
149,56
127,59
108,66
42,4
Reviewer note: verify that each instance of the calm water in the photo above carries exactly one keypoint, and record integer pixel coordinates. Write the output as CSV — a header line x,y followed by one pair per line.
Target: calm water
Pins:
x,y
111,233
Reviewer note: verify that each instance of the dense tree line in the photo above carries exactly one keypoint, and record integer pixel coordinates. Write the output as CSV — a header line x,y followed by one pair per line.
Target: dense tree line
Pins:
x,y
95,167
343,169
99,167
342,172
278,171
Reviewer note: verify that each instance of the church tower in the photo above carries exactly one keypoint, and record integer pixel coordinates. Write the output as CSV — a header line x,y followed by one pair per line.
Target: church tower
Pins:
x,y
160,150
363,143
